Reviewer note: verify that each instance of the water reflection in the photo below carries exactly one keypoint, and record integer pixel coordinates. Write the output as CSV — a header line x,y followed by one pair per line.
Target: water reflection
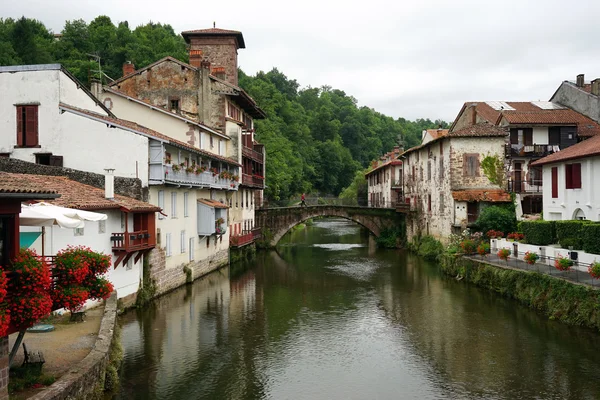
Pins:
x,y
330,317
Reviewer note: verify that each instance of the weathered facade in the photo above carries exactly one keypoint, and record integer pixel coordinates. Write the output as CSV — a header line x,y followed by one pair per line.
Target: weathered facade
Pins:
x,y
384,181
444,183
581,96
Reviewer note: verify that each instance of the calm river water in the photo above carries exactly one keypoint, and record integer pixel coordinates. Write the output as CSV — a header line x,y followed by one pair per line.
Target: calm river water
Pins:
x,y
328,316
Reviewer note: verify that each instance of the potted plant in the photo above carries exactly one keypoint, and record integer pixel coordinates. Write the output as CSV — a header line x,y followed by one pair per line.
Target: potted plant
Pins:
x,y
189,169
468,246
514,236
503,254
594,270
168,160
235,178
491,234
176,168
499,234
214,172
483,249
563,263
531,258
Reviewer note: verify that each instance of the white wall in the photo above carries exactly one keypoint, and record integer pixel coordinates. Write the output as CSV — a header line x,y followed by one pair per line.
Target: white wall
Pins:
x,y
85,144
586,199
124,278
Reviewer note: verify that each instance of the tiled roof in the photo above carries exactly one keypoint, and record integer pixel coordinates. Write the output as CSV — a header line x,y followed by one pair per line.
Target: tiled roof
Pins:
x,y
588,148
134,127
482,129
494,195
212,203
75,194
13,184
216,32
585,126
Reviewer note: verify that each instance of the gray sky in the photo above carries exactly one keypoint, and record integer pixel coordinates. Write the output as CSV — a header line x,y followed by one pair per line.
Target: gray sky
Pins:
x,y
411,59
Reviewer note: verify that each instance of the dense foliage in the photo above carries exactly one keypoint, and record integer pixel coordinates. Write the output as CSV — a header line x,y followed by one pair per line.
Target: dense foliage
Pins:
x,y
541,233
317,139
500,218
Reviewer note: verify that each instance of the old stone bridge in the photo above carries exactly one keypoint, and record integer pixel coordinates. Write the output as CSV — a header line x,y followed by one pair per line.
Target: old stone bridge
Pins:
x,y
276,222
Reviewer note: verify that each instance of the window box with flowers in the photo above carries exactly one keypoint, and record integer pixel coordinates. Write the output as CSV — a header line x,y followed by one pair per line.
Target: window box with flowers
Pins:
x,y
515,236
219,226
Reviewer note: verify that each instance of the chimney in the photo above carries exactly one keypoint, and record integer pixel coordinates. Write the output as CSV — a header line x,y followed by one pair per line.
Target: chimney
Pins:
x,y
596,87
219,72
579,82
109,183
196,58
96,88
128,68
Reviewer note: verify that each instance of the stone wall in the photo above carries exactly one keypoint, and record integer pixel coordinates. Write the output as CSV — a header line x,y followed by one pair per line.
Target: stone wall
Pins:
x,y
4,351
130,187
172,278
221,52
82,380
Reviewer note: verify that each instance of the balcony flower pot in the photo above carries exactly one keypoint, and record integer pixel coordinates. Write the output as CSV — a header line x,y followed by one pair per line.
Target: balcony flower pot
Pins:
x,y
176,168
594,270
503,254
531,258
563,264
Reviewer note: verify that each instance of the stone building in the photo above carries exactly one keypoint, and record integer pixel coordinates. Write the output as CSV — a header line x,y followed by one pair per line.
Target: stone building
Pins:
x,y
384,181
581,96
536,129
443,181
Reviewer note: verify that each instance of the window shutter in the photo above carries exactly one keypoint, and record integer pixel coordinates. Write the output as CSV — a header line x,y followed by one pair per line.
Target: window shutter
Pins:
x,y
514,136
31,126
576,176
20,126
528,137
569,176
554,182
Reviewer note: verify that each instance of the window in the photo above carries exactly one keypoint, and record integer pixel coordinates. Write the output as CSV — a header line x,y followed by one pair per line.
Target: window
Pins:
x,y
185,204
428,170
573,176
471,165
48,159
429,202
182,241
27,126
221,152
173,204
174,104
441,171
168,244
161,203
441,204
554,182
212,143
78,231
191,249
102,226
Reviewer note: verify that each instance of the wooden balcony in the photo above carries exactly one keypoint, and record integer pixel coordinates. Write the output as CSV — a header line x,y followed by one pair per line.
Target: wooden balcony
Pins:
x,y
241,240
533,151
253,181
204,179
131,241
252,154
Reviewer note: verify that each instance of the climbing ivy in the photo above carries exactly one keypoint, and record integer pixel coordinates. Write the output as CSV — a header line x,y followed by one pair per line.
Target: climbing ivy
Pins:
x,y
493,168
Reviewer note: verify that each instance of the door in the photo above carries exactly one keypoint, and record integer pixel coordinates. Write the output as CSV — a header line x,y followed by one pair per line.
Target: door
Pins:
x,y
472,212
518,182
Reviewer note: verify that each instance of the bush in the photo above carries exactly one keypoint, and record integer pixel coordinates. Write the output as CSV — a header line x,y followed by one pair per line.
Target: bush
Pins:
x,y
590,238
568,233
540,233
497,218
430,248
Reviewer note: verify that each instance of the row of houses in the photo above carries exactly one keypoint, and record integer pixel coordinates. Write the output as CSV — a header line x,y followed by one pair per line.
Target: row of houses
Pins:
x,y
183,132
542,154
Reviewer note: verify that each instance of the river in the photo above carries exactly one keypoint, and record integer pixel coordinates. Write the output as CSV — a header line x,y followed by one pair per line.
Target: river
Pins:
x,y
329,316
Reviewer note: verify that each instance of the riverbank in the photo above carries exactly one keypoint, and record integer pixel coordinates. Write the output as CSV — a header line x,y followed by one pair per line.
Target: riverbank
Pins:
x,y
558,299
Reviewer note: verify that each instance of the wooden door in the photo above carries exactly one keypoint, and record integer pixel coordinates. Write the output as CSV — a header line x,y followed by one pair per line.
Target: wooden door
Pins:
x,y
518,182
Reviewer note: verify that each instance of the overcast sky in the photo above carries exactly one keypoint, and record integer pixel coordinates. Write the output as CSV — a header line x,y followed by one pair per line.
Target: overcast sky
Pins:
x,y
411,59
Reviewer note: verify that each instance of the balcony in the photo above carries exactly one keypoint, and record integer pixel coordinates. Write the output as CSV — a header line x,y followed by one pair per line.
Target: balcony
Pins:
x,y
525,187
253,181
131,241
252,154
536,150
245,238
203,179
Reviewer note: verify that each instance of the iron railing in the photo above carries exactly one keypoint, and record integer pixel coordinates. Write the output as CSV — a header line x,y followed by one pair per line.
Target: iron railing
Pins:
x,y
203,179
525,186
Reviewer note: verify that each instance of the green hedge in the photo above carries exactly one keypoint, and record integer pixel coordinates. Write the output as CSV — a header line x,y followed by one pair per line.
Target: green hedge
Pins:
x,y
541,233
590,237
568,233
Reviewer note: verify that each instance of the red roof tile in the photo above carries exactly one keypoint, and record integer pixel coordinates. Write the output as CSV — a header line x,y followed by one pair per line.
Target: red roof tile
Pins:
x,y
479,130
587,148
13,184
494,195
215,32
132,126
585,125
75,194
436,133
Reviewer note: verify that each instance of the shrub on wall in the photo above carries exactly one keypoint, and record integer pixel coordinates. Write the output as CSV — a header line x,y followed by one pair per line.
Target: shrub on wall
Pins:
x,y
590,237
497,218
540,233
430,248
568,233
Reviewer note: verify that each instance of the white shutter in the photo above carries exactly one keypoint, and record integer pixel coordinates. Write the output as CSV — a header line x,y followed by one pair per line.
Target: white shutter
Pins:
x,y
183,241
168,245
161,203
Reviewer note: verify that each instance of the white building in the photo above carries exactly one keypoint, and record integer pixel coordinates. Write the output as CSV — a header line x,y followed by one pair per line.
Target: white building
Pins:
x,y
41,123
384,181
127,235
571,176
444,183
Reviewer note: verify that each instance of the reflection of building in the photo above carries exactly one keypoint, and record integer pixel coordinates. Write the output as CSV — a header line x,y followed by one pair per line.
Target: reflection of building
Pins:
x,y
571,189
384,181
444,183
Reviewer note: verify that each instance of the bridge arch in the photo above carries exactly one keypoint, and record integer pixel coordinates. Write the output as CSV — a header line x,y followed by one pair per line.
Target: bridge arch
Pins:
x,y
276,222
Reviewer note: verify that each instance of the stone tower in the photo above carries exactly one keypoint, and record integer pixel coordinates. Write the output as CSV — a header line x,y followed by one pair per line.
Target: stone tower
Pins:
x,y
217,46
